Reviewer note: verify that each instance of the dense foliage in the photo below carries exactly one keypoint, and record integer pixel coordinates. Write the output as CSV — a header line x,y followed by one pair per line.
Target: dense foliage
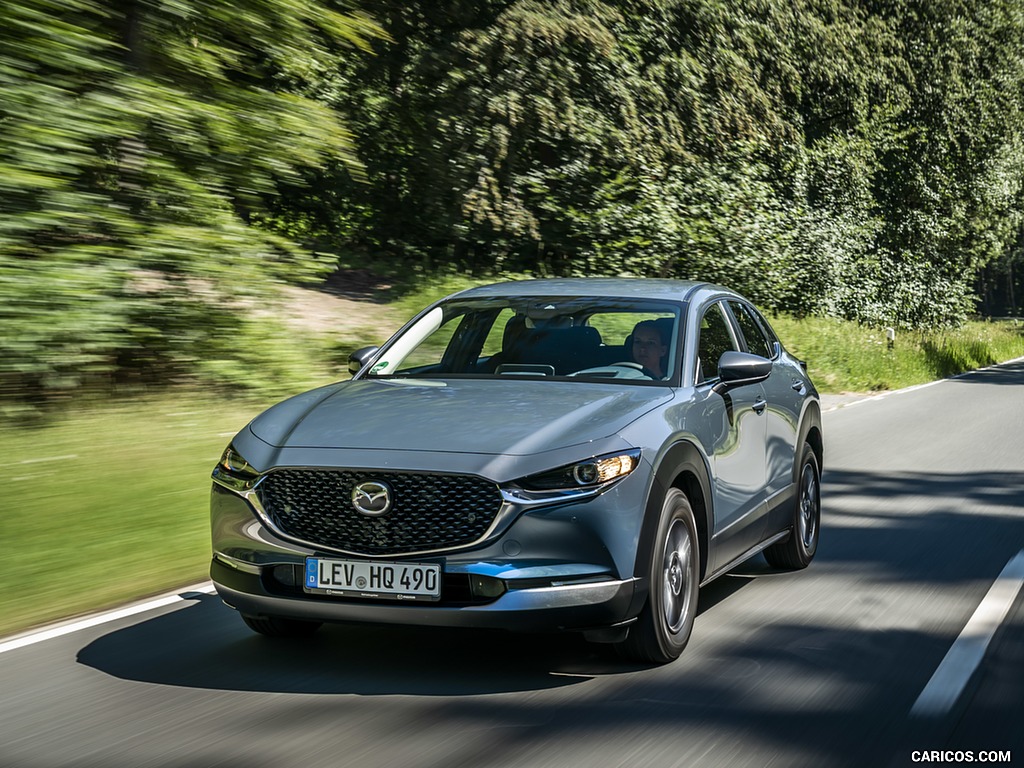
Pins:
x,y
859,159
161,161
139,143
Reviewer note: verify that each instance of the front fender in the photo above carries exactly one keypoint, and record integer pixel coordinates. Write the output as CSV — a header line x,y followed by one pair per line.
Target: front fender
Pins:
x,y
682,466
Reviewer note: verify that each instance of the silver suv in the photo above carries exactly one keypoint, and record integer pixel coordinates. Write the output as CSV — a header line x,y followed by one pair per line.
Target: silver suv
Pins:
x,y
540,455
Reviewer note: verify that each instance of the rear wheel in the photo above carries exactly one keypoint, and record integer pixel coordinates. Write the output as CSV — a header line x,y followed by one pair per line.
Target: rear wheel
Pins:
x,y
798,550
664,626
279,626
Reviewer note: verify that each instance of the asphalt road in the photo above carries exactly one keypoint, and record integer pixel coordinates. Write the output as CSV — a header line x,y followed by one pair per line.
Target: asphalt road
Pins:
x,y
924,507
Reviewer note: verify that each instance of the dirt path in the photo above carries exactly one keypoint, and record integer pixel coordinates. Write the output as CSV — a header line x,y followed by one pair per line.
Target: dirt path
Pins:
x,y
348,305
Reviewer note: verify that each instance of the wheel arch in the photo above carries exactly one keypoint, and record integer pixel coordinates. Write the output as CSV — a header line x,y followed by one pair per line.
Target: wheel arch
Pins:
x,y
682,466
810,432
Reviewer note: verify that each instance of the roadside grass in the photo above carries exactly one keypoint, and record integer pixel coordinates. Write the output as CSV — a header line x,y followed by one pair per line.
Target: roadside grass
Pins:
x,y
846,357
108,502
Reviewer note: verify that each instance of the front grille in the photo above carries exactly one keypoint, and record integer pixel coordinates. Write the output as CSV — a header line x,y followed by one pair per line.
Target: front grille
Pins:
x,y
428,512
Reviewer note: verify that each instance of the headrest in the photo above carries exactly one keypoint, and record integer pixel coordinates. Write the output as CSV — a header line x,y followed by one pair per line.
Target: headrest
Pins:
x,y
576,337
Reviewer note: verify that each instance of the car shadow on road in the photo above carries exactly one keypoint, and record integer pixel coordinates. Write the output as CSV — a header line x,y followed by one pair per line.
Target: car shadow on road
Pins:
x,y
214,649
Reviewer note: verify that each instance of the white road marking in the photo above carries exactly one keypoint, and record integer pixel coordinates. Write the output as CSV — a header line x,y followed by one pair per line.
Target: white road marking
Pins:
x,y
59,630
963,658
884,395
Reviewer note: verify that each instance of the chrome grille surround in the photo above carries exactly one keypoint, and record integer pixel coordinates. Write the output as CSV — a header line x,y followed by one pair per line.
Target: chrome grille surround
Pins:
x,y
431,512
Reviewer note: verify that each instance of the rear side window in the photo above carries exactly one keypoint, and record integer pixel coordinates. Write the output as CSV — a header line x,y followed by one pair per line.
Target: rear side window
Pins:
x,y
757,342
715,340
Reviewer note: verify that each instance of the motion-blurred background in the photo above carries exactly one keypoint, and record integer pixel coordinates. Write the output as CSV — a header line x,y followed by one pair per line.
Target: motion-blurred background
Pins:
x,y
206,205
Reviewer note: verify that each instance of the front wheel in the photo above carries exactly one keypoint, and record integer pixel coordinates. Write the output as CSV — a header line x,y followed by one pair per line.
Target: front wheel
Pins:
x,y
798,550
666,621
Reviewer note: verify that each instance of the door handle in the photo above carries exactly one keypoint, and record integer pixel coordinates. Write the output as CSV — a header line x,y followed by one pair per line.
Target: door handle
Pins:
x,y
798,385
759,406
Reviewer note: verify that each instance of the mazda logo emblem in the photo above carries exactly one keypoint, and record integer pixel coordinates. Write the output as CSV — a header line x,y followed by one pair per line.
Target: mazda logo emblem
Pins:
x,y
372,498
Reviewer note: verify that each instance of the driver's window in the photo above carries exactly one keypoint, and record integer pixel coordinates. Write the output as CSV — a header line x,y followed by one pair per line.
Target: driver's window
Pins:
x,y
715,340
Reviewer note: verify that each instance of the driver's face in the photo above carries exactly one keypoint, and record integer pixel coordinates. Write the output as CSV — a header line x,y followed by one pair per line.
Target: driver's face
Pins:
x,y
648,350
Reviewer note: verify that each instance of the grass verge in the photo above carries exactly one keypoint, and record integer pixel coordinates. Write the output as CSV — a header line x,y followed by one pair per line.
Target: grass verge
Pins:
x,y
109,504
846,357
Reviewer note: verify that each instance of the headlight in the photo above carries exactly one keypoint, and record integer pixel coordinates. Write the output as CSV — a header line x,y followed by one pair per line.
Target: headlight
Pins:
x,y
590,474
234,472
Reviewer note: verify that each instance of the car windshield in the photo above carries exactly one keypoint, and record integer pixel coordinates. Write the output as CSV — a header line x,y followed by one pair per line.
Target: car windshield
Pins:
x,y
589,338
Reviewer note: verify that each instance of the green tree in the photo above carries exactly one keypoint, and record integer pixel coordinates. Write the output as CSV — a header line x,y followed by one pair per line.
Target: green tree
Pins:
x,y
729,141
950,190
140,142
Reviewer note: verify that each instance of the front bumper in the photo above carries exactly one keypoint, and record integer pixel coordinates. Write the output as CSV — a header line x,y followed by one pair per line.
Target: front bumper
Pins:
x,y
562,567
533,609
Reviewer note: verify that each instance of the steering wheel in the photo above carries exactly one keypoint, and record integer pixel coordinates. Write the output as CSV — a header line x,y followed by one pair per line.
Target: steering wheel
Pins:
x,y
635,366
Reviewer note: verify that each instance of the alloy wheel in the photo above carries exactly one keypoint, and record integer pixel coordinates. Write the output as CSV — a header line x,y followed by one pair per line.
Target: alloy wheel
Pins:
x,y
677,575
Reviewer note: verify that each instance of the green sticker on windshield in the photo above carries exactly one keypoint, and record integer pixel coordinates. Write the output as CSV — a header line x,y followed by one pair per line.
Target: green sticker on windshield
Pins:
x,y
379,366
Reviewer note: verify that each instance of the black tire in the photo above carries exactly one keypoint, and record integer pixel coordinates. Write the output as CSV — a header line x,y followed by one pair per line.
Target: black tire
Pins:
x,y
666,621
278,626
798,550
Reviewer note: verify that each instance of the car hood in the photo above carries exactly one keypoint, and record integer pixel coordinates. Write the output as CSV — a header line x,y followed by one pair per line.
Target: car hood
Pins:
x,y
511,417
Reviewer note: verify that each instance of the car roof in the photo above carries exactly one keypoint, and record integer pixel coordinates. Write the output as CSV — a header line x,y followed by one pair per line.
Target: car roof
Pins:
x,y
621,287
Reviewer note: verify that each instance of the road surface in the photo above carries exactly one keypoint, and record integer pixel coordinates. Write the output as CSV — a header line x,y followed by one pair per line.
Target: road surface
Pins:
x,y
923,517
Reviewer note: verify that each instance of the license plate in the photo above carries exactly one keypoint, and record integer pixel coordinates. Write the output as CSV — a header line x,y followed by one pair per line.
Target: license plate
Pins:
x,y
360,578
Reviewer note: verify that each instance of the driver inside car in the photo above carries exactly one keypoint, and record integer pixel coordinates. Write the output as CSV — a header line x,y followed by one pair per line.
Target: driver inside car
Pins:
x,y
650,347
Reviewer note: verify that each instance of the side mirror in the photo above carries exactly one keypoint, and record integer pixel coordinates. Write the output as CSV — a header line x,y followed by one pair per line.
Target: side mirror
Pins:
x,y
736,369
358,359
